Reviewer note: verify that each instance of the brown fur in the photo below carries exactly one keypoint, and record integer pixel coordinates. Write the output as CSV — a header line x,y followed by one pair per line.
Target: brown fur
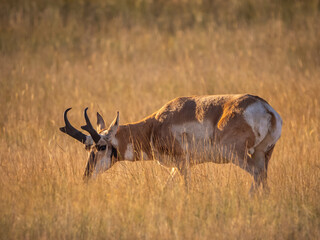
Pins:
x,y
230,129
224,112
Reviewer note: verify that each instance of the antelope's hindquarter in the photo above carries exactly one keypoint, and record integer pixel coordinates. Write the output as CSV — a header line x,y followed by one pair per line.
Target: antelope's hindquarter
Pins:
x,y
251,126
219,129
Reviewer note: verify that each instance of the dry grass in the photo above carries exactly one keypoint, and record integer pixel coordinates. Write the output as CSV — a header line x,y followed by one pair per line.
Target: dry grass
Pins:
x,y
136,70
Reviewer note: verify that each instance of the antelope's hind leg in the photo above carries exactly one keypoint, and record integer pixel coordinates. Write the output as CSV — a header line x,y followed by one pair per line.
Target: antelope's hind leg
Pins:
x,y
259,170
254,165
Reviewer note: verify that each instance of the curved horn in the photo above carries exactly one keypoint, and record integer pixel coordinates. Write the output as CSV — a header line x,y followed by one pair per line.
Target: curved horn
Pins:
x,y
70,130
95,136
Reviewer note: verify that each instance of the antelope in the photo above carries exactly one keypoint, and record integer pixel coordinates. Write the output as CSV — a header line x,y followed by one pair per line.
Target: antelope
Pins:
x,y
239,129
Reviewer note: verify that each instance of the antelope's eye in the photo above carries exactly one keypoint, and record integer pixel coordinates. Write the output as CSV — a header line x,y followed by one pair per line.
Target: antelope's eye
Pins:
x,y
102,148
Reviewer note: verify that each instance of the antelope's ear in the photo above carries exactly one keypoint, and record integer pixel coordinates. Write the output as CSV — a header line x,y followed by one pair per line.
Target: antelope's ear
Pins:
x,y
113,128
100,123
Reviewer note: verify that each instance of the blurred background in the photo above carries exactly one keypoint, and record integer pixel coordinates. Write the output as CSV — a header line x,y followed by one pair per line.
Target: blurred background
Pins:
x,y
91,52
134,56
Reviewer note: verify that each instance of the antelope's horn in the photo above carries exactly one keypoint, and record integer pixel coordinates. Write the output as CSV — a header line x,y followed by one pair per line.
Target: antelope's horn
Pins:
x,y
70,130
95,136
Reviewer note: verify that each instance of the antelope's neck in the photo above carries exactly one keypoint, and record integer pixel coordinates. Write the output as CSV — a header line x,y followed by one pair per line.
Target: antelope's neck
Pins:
x,y
133,140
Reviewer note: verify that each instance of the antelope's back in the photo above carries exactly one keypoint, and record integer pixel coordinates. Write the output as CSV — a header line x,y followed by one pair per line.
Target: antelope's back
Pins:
x,y
201,108
206,116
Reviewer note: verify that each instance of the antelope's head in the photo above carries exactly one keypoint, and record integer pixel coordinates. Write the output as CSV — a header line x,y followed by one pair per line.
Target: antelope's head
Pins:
x,y
100,144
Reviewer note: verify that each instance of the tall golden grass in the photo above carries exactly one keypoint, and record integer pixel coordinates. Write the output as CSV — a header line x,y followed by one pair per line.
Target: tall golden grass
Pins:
x,y
134,59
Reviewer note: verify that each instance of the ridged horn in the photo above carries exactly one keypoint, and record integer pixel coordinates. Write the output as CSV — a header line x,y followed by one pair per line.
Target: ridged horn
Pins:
x,y
95,136
70,130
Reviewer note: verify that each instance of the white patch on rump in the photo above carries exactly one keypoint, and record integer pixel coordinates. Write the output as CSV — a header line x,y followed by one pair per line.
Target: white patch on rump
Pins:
x,y
128,155
276,131
259,120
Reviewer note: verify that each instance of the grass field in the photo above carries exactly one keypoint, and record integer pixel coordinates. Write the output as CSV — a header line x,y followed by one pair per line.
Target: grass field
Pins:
x,y
134,56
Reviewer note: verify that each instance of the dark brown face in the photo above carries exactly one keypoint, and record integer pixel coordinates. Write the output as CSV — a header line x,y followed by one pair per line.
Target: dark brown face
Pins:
x,y
101,158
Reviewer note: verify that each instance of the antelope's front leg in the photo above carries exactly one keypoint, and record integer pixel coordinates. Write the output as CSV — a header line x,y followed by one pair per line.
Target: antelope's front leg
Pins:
x,y
185,170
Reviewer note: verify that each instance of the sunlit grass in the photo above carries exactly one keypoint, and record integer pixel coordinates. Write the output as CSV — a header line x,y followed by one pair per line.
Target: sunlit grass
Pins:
x,y
136,70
